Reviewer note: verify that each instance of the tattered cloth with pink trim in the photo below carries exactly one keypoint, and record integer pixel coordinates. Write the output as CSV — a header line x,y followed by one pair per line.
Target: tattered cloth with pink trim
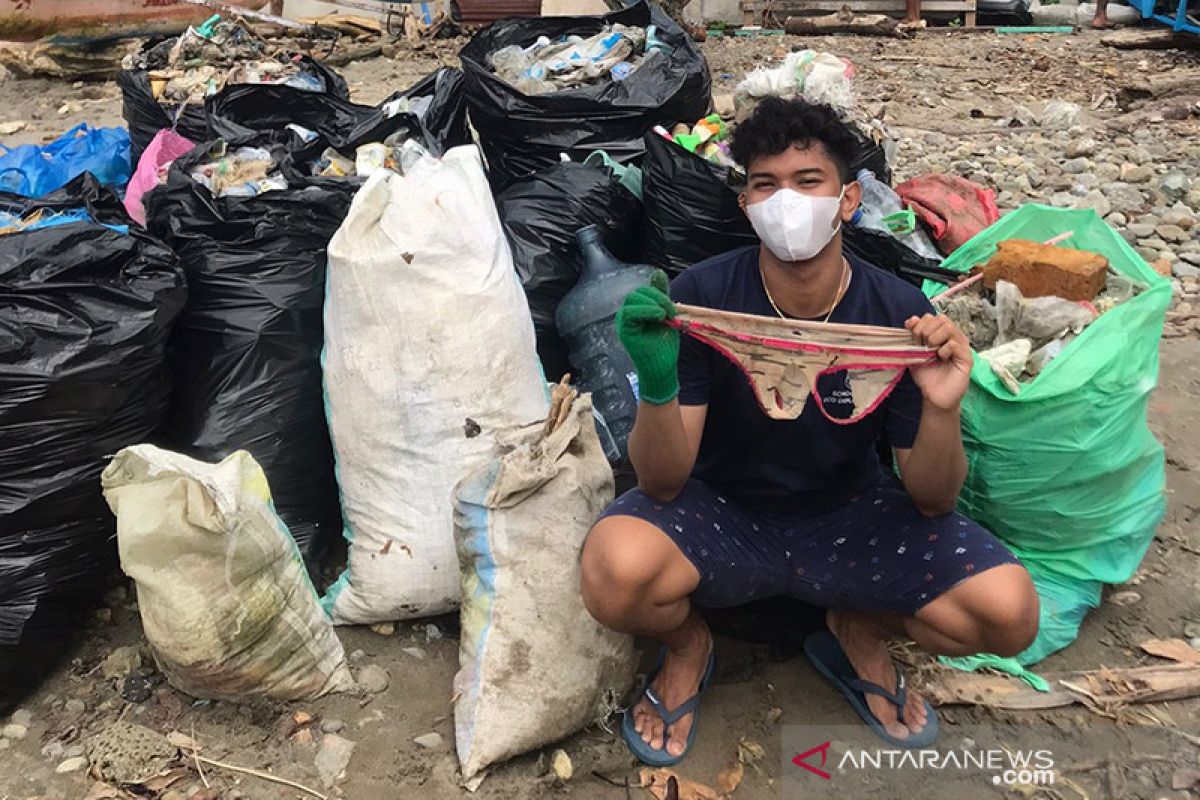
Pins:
x,y
954,208
783,358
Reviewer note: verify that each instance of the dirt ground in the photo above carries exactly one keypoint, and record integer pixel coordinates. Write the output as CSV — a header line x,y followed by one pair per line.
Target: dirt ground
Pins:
x,y
942,95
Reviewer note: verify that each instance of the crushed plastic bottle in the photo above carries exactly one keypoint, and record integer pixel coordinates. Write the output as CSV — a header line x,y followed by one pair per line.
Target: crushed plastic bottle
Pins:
x,y
586,320
881,209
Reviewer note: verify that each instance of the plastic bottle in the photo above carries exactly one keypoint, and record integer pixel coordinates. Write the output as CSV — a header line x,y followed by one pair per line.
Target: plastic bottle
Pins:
x,y
586,320
878,202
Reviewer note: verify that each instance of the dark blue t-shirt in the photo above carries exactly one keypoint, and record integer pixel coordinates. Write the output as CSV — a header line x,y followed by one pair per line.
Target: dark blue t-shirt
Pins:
x,y
808,465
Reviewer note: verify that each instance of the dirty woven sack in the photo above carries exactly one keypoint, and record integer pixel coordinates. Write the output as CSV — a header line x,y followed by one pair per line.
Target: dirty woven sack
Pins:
x,y
535,666
429,351
225,601
1067,473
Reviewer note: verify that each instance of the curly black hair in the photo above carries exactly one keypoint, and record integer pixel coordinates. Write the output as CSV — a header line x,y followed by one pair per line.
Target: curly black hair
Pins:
x,y
777,124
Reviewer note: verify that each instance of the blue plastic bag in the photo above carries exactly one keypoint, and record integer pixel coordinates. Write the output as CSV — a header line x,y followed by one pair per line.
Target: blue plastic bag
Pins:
x,y
33,171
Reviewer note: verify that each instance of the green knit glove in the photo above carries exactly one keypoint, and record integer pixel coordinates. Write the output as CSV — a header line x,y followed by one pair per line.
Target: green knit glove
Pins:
x,y
652,346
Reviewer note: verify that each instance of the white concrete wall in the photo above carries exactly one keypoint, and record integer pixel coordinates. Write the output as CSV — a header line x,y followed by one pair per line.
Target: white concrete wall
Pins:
x,y
714,10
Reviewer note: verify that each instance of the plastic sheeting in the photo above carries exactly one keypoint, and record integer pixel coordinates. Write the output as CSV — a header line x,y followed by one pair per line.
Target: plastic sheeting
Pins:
x,y
35,170
1067,473
521,133
87,310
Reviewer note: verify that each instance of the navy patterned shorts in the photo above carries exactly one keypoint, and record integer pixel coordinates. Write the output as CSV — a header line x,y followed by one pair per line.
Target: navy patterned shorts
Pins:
x,y
876,553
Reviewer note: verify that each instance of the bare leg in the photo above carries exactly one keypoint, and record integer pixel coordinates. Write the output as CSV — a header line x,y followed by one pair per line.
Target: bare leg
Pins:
x,y
993,612
1100,20
636,580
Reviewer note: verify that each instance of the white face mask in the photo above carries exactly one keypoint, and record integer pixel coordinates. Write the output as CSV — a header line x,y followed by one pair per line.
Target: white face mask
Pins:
x,y
795,226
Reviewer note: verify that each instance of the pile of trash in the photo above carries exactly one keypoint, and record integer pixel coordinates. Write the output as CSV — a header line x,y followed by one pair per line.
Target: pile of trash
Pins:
x,y
573,61
708,138
245,172
1041,298
398,153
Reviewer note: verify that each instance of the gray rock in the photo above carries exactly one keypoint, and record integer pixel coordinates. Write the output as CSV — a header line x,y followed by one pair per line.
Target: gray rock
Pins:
x,y
4,744
1174,184
432,632
1191,257
429,741
14,731
74,751
72,765
1141,230
1179,216
53,751
1182,270
1116,219
415,652
1059,114
1081,147
1124,197
332,725
1153,241
356,655
1171,233
333,758
1107,173
1123,141
1097,201
1076,166
373,678
1166,255
1147,253
121,662
1036,177
75,706
22,716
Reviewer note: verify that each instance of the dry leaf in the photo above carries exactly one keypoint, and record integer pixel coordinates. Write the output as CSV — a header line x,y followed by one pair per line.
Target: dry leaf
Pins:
x,y
730,778
104,791
1174,649
749,751
162,782
182,741
655,780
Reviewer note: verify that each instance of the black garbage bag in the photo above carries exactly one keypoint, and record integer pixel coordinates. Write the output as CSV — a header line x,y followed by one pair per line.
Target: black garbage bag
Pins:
x,y
523,133
240,111
245,354
85,312
540,214
145,116
692,208
870,156
888,252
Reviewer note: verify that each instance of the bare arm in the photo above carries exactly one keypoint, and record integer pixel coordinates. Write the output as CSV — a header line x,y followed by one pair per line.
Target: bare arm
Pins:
x,y
663,446
934,469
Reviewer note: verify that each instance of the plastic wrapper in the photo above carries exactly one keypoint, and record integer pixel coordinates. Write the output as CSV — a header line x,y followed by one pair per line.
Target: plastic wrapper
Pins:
x,y
522,133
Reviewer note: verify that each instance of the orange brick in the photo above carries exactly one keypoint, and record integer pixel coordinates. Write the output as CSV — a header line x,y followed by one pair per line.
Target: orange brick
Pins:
x,y
1041,270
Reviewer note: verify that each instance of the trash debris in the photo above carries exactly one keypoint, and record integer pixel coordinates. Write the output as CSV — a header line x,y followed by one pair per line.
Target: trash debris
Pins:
x,y
1040,270
1174,649
882,210
545,66
730,777
1101,382
522,133
124,753
373,679
121,662
76,279
165,84
245,172
152,168
953,209
520,522
257,631
430,741
405,238
585,318
708,139
810,74
666,784
35,171
1037,319
540,214
560,765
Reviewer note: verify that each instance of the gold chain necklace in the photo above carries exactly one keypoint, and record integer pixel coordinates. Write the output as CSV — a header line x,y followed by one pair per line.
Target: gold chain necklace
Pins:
x,y
838,294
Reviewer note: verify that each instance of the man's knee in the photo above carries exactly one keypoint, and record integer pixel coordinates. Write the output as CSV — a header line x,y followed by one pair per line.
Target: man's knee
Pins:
x,y
1008,621
614,572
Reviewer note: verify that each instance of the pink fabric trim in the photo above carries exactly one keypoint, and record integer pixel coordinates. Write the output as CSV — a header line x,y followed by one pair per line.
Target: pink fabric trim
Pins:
x,y
918,356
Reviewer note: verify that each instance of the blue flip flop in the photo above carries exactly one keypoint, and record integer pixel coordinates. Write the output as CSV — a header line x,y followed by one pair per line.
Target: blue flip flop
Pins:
x,y
826,654
650,755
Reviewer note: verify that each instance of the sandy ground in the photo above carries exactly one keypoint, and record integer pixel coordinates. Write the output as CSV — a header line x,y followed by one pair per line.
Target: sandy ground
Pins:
x,y
928,88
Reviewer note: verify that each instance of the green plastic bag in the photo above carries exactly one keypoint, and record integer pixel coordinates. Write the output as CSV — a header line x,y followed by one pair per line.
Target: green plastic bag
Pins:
x,y
1067,473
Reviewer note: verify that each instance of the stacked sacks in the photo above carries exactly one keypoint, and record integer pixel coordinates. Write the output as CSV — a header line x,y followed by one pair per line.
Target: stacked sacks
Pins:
x,y
88,303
